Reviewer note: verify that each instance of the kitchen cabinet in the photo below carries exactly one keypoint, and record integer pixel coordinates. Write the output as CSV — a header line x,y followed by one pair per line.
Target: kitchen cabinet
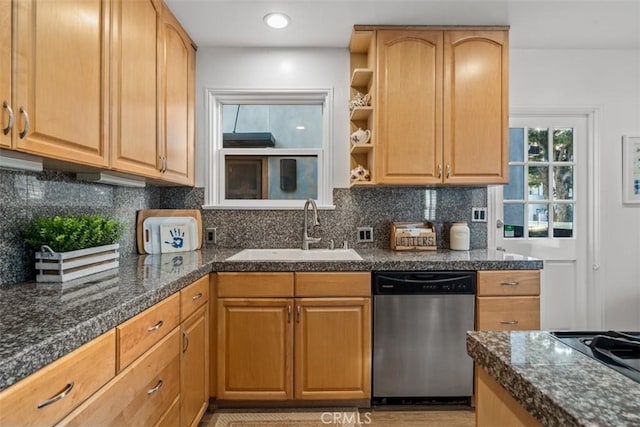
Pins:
x,y
496,407
136,87
61,79
48,395
194,358
178,102
441,104
279,336
138,334
508,300
6,74
140,395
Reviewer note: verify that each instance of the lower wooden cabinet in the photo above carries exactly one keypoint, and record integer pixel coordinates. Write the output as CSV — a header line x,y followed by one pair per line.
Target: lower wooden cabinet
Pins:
x,y
496,407
333,348
294,342
140,394
194,372
508,300
51,393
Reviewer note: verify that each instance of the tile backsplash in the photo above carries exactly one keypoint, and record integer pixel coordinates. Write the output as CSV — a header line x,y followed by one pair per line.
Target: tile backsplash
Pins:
x,y
25,195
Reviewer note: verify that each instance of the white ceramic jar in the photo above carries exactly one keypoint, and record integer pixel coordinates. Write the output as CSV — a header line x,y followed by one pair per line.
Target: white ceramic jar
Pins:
x,y
459,236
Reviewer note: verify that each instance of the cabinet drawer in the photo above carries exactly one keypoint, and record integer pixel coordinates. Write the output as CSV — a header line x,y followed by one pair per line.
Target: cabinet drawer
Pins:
x,y
508,313
511,282
88,368
355,284
140,394
139,333
194,296
255,285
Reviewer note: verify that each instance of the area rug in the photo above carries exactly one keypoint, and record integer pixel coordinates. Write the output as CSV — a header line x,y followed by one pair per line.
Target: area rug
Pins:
x,y
285,419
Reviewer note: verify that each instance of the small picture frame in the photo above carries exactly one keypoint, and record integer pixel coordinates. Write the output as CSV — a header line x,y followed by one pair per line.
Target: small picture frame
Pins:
x,y
631,169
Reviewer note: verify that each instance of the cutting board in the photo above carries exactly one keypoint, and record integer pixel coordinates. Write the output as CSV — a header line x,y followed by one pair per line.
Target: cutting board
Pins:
x,y
168,230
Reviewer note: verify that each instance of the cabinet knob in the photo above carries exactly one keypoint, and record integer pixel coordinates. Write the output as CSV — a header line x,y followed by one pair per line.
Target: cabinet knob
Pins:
x,y
7,107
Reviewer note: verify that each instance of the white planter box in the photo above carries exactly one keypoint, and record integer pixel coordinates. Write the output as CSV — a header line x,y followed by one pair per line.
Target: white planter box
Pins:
x,y
56,267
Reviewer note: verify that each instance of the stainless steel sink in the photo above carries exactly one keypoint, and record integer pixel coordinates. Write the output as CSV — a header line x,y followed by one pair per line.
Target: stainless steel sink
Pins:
x,y
296,255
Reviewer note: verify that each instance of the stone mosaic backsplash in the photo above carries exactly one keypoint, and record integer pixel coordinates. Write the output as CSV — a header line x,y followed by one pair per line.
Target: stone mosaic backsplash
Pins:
x,y
356,207
25,195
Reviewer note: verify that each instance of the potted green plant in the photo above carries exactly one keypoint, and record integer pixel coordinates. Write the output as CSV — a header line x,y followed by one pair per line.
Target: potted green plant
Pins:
x,y
69,247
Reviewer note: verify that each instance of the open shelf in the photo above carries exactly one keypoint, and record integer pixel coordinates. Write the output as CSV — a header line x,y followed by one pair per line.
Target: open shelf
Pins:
x,y
361,148
361,113
361,77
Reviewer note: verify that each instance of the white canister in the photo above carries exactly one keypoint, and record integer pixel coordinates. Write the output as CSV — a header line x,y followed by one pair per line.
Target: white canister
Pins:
x,y
459,236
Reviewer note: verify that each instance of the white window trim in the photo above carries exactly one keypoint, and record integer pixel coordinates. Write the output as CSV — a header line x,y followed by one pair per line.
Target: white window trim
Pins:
x,y
215,98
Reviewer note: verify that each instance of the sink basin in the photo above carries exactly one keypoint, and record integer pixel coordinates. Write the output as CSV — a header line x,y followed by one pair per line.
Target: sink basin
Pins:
x,y
296,255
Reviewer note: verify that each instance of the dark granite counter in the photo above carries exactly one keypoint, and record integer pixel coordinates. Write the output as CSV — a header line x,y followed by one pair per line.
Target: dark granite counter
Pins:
x,y
40,323
558,385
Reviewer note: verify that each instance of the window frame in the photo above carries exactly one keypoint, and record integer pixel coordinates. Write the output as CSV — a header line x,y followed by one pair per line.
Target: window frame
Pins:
x,y
215,153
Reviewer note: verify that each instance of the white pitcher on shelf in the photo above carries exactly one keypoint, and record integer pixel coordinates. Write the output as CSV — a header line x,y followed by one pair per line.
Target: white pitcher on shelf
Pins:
x,y
360,136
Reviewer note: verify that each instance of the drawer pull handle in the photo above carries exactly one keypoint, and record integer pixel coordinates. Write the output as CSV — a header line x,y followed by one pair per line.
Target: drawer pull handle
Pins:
x,y
197,296
298,312
288,314
7,107
57,397
156,326
26,123
185,341
513,283
156,388
509,322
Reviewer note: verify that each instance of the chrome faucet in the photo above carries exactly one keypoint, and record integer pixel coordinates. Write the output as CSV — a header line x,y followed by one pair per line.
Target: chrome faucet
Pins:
x,y
305,237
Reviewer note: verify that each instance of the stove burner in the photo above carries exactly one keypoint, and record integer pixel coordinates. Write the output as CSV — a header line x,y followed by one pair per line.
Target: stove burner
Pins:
x,y
618,350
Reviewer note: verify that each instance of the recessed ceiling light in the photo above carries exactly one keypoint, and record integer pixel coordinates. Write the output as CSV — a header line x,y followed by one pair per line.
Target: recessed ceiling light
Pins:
x,y
300,127
276,20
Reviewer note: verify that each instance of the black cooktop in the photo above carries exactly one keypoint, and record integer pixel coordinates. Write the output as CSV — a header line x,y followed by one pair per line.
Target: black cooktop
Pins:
x,y
617,350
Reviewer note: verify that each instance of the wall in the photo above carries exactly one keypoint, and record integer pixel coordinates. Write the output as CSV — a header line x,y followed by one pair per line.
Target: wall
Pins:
x,y
609,80
25,196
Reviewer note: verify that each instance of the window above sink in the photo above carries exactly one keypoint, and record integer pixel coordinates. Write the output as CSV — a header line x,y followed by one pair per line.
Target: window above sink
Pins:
x,y
268,149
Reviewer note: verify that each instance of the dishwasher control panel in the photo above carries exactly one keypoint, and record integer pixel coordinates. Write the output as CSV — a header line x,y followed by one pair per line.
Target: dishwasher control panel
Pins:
x,y
436,282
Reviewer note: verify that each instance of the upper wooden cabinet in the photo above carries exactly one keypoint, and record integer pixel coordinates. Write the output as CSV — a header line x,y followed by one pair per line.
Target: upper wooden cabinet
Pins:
x,y
135,95
440,101
476,107
61,80
409,106
6,111
178,104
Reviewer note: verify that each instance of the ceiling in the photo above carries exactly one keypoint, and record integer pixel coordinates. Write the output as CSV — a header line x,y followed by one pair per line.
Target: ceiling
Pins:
x,y
550,24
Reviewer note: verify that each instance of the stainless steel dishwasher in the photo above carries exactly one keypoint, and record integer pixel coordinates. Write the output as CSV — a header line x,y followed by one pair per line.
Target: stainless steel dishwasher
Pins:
x,y
420,321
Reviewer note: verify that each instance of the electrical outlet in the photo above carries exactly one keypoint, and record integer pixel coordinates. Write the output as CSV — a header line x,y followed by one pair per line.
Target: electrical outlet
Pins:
x,y
478,214
210,235
365,234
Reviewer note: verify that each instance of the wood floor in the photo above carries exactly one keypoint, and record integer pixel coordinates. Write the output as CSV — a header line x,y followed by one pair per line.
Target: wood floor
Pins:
x,y
374,418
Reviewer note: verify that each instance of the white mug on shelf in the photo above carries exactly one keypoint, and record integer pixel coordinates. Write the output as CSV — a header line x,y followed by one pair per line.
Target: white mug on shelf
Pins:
x,y
360,136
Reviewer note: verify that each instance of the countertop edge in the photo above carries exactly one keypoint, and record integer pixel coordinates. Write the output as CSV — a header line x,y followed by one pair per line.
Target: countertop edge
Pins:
x,y
526,393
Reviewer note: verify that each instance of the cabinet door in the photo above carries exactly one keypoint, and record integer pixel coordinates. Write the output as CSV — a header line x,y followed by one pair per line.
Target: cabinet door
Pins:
x,y
409,107
476,107
135,92
333,348
255,349
194,372
62,79
178,102
5,72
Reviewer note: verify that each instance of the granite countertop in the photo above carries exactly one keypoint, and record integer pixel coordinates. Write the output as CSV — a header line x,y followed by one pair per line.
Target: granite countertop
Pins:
x,y
558,385
40,323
